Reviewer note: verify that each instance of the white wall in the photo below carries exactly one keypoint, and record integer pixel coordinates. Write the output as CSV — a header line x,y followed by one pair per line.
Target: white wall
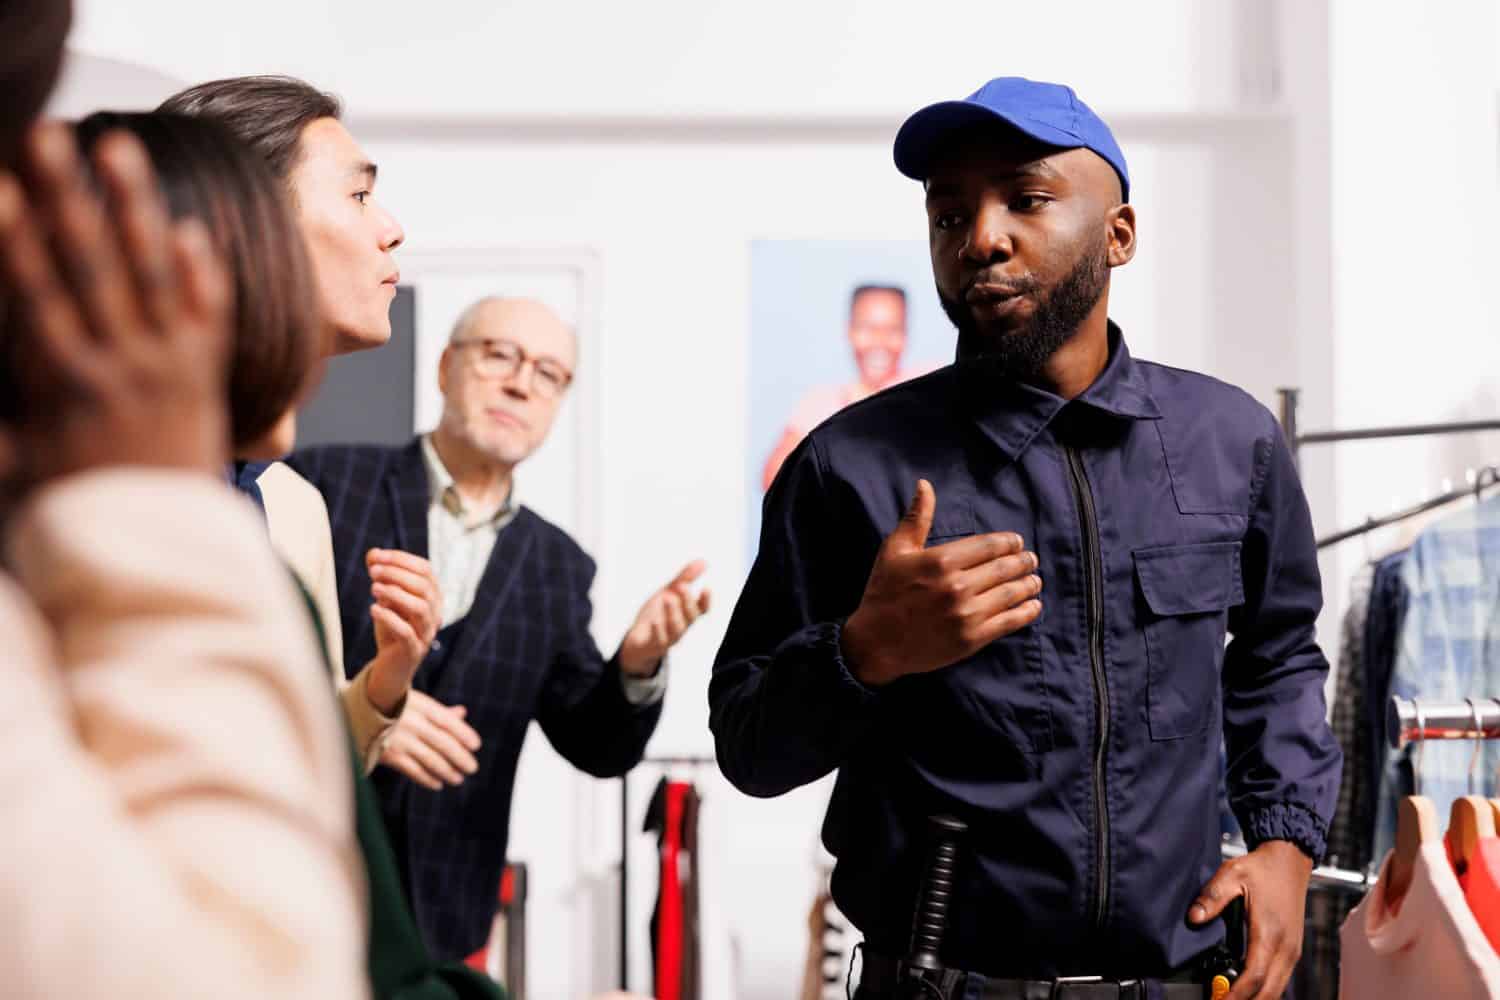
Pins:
x,y
1412,215
663,138
780,58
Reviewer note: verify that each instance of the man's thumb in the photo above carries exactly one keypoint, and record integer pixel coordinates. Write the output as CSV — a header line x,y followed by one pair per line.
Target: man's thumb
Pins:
x,y
916,523
1211,902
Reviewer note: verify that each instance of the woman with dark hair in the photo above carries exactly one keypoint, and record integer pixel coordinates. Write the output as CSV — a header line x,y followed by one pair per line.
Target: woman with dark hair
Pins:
x,y
176,790
276,342
29,62
276,346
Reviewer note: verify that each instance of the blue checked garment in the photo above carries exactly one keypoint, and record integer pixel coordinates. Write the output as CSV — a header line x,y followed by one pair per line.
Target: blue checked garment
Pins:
x,y
1449,650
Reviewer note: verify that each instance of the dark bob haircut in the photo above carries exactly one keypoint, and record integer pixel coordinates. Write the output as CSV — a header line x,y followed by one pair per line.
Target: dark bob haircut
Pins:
x,y
30,58
207,174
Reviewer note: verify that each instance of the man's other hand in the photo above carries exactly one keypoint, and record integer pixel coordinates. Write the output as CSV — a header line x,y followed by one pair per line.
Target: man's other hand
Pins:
x,y
432,744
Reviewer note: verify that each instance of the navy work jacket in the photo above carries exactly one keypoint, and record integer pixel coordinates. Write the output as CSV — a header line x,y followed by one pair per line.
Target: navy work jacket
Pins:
x,y
1083,751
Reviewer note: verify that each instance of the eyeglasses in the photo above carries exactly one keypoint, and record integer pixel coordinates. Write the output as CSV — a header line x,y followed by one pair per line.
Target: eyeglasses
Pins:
x,y
502,359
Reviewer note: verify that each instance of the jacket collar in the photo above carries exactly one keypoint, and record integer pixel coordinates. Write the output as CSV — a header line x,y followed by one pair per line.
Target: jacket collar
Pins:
x,y
1013,413
410,493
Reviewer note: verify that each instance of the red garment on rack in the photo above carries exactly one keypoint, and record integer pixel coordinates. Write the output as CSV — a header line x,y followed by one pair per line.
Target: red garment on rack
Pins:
x,y
1481,885
480,960
669,929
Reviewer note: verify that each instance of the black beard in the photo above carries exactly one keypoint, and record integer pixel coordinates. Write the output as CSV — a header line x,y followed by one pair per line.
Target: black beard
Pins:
x,y
1021,353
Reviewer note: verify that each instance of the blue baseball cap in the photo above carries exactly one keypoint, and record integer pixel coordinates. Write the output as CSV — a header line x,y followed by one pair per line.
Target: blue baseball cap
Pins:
x,y
1047,112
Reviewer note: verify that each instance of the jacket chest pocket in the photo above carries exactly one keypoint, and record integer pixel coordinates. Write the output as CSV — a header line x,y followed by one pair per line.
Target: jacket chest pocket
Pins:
x,y
1186,592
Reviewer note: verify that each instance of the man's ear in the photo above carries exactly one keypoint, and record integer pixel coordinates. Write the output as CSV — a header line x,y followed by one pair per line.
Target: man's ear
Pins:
x,y
1121,223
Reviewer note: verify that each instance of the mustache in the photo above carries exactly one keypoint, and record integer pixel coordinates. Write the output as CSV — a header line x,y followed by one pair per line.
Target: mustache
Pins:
x,y
994,283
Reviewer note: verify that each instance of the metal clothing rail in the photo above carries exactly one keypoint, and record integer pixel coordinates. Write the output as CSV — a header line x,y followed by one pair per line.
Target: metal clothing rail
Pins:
x,y
1296,438
667,760
1410,720
1323,876
1486,477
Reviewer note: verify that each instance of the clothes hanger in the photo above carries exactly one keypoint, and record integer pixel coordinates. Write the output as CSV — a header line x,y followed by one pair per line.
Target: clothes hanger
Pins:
x,y
1481,883
1416,826
1487,476
1495,802
1472,816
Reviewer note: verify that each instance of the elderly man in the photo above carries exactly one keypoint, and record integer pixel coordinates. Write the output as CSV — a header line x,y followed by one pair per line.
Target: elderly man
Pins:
x,y
515,641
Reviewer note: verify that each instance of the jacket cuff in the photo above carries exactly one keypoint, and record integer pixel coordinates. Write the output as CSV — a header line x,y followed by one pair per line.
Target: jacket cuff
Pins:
x,y
824,643
367,724
1290,822
643,692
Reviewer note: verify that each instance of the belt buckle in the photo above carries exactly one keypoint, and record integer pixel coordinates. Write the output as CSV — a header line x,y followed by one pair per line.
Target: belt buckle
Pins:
x,y
1061,981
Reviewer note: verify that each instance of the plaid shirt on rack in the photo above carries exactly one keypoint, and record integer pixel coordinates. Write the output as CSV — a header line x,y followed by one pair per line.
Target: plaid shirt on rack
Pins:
x,y
1349,833
1449,650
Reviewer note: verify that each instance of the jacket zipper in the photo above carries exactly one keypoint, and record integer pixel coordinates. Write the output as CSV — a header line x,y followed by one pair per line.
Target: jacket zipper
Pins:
x,y
1093,581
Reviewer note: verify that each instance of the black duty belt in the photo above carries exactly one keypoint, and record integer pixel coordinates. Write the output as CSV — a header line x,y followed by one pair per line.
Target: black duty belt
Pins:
x,y
879,976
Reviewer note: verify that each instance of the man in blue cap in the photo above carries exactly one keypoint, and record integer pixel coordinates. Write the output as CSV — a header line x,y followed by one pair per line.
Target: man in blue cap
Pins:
x,y
904,642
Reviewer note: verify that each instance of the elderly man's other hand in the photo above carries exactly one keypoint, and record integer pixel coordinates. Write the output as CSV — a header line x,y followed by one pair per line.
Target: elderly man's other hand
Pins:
x,y
663,620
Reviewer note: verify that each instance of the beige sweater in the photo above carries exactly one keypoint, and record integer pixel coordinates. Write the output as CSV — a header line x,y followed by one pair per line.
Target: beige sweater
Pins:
x,y
177,816
297,519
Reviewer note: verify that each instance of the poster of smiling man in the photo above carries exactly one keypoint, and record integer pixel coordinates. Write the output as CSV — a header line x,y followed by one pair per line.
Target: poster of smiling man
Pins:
x,y
832,322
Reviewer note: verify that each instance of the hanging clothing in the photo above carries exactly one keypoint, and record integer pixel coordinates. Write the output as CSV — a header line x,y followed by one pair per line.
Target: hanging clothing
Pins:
x,y
1481,884
673,816
1449,648
691,888
1431,946
1350,832
1389,599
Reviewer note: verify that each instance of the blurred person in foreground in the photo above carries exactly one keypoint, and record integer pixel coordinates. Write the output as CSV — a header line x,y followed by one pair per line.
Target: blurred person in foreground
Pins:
x,y
177,816
207,174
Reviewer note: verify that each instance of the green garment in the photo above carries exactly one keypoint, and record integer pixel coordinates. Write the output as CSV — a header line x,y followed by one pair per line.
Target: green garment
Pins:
x,y
400,967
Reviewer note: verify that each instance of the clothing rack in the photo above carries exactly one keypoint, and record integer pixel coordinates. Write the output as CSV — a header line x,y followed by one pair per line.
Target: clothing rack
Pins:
x,y
1296,439
1323,876
667,760
1411,720
1488,476
1291,399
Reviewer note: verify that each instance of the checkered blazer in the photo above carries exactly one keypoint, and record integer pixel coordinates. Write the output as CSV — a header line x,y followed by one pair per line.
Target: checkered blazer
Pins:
x,y
523,652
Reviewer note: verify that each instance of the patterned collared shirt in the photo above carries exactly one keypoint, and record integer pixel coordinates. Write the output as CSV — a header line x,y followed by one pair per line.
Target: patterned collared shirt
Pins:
x,y
459,538
1449,650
